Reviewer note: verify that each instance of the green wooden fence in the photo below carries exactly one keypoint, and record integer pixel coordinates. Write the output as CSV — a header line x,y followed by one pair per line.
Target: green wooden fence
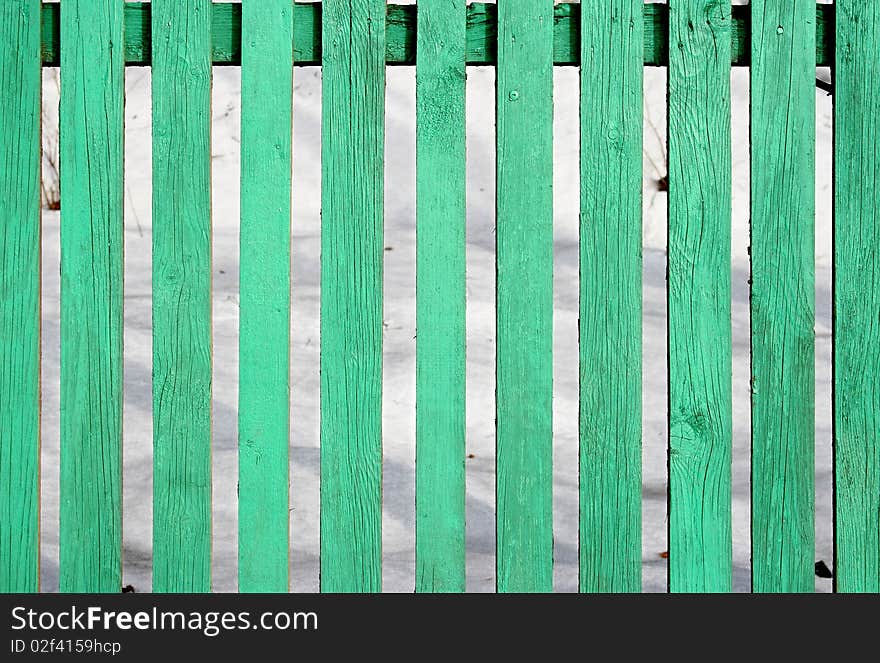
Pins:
x,y
782,41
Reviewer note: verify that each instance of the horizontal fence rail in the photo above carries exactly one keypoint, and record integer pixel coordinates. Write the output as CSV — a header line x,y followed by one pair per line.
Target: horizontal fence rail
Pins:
x,y
481,41
782,41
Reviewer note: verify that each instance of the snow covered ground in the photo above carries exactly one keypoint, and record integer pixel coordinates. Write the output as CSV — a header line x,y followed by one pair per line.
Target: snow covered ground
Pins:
x,y
399,364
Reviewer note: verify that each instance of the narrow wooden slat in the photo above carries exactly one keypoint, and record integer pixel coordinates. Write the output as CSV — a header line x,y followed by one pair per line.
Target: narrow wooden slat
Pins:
x,y
264,345
353,102
700,553
181,295
783,137
91,138
524,296
401,36
19,296
611,297
440,297
856,350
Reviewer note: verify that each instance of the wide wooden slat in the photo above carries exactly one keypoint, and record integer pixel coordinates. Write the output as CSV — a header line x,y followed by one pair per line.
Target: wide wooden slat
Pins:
x,y
264,333
700,552
783,137
353,101
91,139
856,350
19,295
401,34
611,297
524,296
440,297
181,295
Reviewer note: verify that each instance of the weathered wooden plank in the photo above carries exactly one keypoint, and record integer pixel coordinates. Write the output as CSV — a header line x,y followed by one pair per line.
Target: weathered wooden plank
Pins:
x,y
353,131
91,159
19,296
783,137
700,553
611,297
181,295
264,328
524,296
440,297
856,349
401,34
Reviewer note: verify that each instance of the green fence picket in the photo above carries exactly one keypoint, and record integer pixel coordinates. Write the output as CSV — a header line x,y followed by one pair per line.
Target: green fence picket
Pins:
x,y
440,297
700,552
353,102
20,296
181,52
524,296
856,352
264,328
783,138
91,165
610,327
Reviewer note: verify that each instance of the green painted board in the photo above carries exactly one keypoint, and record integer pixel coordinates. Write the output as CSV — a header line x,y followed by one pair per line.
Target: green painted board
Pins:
x,y
856,350
783,137
610,330
264,326
352,179
440,297
700,552
20,296
91,159
181,295
524,297
401,34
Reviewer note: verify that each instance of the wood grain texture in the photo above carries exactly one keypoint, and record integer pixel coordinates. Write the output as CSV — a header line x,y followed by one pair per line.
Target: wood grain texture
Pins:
x,y
783,137
610,327
264,327
352,142
181,295
19,296
401,34
856,349
700,553
440,297
91,160
524,296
